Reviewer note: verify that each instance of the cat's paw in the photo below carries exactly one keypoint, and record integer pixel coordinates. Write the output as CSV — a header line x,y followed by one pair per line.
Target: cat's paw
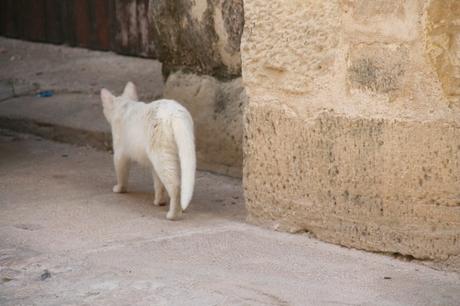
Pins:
x,y
157,202
173,215
119,189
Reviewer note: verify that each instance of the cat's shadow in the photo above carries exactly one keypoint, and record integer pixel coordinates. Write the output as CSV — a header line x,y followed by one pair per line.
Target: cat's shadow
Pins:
x,y
209,205
215,196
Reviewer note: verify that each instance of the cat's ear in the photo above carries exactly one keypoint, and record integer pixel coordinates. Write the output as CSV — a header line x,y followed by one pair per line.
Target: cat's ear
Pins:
x,y
130,91
107,99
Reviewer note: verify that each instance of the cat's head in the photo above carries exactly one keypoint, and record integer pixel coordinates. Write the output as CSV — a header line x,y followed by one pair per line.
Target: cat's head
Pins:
x,y
110,102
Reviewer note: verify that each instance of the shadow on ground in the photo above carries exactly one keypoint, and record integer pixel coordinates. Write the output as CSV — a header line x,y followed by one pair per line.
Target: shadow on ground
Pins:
x,y
66,239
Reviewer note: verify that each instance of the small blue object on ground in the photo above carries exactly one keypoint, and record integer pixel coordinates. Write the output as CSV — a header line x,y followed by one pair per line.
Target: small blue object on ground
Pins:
x,y
45,93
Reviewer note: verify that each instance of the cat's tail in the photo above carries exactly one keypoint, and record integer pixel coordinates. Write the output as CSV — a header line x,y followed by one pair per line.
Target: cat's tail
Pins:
x,y
183,134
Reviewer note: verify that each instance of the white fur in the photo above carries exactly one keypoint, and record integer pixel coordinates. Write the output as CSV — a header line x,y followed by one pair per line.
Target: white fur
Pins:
x,y
158,134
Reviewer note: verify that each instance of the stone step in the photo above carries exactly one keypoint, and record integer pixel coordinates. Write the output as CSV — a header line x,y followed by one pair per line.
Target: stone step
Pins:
x,y
70,118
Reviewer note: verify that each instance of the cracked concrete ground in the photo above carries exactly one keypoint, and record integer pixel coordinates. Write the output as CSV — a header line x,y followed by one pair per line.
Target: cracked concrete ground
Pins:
x,y
66,239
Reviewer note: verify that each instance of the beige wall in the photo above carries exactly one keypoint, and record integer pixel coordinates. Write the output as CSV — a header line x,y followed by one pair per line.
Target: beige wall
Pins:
x,y
352,129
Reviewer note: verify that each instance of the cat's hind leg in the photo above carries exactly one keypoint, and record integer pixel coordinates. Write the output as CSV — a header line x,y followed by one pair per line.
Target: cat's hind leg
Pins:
x,y
122,170
166,165
159,198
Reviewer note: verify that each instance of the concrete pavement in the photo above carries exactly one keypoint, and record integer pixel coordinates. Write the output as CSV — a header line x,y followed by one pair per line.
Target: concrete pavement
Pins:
x,y
74,113
66,239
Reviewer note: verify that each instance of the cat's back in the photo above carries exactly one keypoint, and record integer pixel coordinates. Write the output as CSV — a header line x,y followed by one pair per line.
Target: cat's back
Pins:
x,y
166,108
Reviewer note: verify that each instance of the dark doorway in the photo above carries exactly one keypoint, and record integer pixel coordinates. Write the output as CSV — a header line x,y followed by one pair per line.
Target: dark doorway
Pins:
x,y
120,26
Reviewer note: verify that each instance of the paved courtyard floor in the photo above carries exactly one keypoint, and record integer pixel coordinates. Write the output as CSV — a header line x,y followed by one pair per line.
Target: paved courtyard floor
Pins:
x,y
66,239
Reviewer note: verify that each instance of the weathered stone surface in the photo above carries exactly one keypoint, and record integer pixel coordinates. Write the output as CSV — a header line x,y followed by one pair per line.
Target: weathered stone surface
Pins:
x,y
443,44
302,50
217,111
198,43
372,183
378,68
349,132
201,36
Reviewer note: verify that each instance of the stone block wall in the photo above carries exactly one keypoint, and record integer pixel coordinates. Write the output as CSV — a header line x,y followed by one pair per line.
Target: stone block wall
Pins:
x,y
352,130
217,111
198,43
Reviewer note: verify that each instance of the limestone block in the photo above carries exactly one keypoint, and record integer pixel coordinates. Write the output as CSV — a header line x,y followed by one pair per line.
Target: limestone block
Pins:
x,y
370,183
443,44
378,68
289,44
217,111
200,36
384,21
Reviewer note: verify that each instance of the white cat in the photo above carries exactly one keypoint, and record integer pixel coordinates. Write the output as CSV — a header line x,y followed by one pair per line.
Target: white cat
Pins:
x,y
158,134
